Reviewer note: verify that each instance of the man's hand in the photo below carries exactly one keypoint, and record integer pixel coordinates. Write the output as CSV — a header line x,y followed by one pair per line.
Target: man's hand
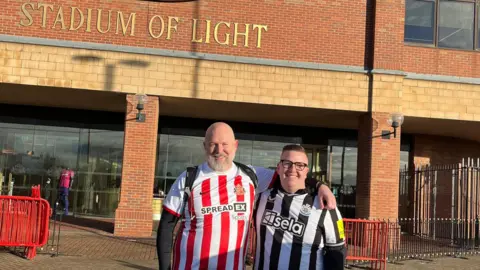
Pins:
x,y
325,194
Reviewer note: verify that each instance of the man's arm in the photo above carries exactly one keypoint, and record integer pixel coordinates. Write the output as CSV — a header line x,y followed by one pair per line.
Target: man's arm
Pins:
x,y
172,211
325,194
335,250
72,175
165,239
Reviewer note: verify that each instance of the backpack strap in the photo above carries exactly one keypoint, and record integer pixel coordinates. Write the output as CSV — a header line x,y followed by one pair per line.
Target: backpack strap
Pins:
x,y
189,179
248,171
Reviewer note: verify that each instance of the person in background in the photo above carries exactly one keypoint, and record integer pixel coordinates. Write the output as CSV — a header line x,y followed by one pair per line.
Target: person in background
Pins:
x,y
64,185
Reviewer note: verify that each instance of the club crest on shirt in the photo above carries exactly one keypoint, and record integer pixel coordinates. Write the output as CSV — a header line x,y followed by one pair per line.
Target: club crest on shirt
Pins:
x,y
306,209
239,190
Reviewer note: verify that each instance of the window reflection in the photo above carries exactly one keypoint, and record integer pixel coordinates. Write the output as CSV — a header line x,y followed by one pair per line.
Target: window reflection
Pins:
x,y
419,21
456,24
31,154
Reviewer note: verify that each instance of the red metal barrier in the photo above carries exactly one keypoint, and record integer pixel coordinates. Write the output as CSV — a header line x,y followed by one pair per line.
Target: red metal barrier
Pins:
x,y
24,222
367,240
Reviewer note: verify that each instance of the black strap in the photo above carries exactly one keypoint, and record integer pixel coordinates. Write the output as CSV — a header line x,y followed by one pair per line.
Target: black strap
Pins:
x,y
189,179
248,171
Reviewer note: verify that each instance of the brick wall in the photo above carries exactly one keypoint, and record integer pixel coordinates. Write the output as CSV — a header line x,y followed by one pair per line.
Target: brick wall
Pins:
x,y
392,53
436,150
441,100
177,77
378,165
133,217
300,30
389,25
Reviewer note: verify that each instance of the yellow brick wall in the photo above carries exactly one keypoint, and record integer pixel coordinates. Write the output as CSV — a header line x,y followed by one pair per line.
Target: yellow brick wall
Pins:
x,y
387,93
176,77
168,76
441,100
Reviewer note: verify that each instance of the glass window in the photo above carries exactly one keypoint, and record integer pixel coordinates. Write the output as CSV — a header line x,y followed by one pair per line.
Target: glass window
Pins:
x,y
451,22
266,154
344,165
175,154
419,21
478,28
33,154
456,24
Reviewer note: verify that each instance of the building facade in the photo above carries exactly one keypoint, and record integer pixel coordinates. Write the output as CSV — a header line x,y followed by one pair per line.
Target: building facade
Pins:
x,y
325,74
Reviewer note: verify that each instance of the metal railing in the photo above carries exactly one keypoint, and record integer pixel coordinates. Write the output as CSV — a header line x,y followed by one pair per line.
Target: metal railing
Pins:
x,y
428,238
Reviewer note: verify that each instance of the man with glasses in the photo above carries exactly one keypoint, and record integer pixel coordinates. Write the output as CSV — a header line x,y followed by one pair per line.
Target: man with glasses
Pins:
x,y
293,232
216,208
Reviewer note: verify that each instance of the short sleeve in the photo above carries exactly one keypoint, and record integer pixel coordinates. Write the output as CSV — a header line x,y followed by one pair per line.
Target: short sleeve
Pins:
x,y
173,203
265,177
334,229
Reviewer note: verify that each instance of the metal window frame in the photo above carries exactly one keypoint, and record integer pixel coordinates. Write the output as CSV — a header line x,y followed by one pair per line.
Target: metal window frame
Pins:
x,y
476,28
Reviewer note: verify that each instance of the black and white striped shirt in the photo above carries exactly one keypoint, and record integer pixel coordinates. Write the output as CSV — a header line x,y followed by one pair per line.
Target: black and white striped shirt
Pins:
x,y
292,230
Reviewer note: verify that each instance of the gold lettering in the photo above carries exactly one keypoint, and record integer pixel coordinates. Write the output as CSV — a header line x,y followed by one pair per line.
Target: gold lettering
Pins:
x,y
150,26
99,21
59,18
44,13
27,14
131,18
259,34
194,32
170,26
227,35
72,19
236,34
207,32
89,20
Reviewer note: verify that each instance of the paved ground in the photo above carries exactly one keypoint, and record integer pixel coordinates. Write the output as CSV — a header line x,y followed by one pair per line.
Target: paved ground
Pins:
x,y
467,263
89,244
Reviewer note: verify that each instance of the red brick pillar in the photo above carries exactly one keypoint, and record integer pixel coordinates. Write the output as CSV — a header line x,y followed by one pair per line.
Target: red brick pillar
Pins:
x,y
378,168
133,217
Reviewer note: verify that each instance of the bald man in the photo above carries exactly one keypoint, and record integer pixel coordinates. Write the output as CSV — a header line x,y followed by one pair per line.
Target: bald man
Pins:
x,y
217,210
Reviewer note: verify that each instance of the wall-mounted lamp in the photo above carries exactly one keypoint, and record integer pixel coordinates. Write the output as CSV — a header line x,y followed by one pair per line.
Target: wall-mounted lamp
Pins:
x,y
395,121
141,100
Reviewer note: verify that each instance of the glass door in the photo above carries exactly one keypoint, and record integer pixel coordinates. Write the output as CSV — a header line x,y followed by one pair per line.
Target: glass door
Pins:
x,y
318,162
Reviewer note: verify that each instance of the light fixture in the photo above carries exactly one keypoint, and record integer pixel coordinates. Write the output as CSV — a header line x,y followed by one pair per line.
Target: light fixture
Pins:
x,y
141,100
395,121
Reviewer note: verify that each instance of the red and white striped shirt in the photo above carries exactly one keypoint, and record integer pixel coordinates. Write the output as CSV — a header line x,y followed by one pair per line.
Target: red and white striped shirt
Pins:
x,y
217,217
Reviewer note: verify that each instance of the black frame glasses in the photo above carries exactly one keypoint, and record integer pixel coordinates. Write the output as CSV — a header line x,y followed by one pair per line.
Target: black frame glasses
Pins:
x,y
299,166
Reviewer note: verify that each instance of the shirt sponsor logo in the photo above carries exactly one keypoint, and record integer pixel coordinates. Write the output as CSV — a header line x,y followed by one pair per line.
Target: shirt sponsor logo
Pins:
x,y
240,217
274,219
236,207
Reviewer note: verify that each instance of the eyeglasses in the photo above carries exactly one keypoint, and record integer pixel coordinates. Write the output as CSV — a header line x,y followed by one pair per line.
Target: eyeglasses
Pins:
x,y
299,166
